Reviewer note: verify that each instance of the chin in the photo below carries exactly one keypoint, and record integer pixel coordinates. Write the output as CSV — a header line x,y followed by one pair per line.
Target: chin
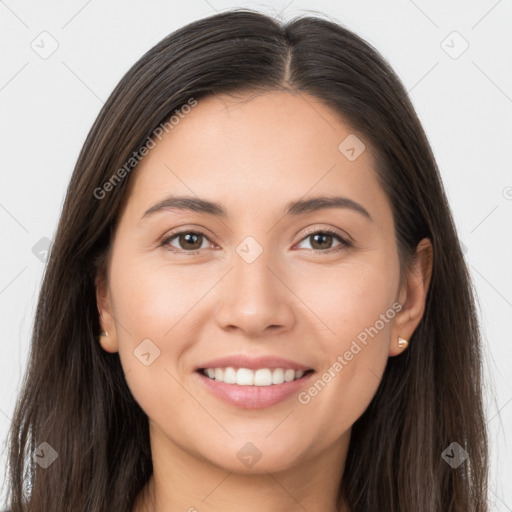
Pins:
x,y
255,457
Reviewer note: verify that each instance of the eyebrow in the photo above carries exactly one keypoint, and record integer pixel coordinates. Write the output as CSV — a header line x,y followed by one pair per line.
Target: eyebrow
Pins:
x,y
298,207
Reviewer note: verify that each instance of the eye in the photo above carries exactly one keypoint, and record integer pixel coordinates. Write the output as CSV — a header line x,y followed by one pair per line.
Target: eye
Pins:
x,y
189,241
322,240
193,241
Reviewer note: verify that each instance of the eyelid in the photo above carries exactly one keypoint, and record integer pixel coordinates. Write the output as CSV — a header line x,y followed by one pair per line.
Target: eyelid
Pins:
x,y
342,235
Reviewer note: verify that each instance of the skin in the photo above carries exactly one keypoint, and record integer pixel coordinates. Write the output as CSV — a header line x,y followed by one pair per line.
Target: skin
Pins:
x,y
253,154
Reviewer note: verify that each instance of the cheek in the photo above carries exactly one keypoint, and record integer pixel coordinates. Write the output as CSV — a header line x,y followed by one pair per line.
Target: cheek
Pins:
x,y
345,299
350,375
150,305
355,306
150,297
151,310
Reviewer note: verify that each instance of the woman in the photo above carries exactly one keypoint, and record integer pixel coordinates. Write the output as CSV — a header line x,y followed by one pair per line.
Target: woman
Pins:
x,y
256,298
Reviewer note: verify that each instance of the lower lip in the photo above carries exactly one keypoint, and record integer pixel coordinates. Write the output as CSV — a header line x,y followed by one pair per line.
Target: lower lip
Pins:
x,y
254,397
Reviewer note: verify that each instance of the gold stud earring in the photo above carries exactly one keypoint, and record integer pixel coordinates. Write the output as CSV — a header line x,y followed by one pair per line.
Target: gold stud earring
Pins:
x,y
402,343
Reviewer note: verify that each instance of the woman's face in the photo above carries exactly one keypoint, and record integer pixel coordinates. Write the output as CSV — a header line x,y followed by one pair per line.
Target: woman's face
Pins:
x,y
256,282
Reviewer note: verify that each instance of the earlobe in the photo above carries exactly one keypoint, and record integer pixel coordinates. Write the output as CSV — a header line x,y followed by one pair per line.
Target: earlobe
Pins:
x,y
108,336
414,293
105,342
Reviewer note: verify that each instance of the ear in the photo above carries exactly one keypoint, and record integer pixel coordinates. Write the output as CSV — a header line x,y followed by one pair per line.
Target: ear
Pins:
x,y
107,320
413,295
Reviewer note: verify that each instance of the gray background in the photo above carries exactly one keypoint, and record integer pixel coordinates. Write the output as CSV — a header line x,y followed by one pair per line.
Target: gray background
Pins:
x,y
463,98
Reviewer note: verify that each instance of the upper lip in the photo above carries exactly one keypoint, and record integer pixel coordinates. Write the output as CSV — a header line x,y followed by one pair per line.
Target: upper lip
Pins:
x,y
253,363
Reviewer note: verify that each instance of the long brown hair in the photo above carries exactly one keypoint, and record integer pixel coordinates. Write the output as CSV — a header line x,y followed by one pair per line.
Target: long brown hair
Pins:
x,y
74,395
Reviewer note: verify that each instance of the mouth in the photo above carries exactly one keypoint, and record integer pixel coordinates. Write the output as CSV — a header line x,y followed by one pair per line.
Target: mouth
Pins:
x,y
259,388
249,377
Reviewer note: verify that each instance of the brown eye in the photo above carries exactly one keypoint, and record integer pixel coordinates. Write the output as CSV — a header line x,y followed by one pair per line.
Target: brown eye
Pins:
x,y
322,241
188,241
192,241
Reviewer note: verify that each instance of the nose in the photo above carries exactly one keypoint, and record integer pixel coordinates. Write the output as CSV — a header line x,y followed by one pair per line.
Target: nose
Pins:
x,y
255,298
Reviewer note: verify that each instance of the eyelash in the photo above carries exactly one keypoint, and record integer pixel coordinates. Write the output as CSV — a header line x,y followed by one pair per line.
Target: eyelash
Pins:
x,y
344,243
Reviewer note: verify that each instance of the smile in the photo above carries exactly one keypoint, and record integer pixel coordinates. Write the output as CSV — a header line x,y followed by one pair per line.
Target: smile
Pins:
x,y
248,377
253,389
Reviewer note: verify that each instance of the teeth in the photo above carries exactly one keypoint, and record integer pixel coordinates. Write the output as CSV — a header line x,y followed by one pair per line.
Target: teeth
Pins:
x,y
289,375
247,377
263,377
229,376
244,377
278,376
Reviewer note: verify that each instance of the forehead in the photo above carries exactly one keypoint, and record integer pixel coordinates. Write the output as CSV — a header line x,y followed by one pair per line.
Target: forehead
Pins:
x,y
258,148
